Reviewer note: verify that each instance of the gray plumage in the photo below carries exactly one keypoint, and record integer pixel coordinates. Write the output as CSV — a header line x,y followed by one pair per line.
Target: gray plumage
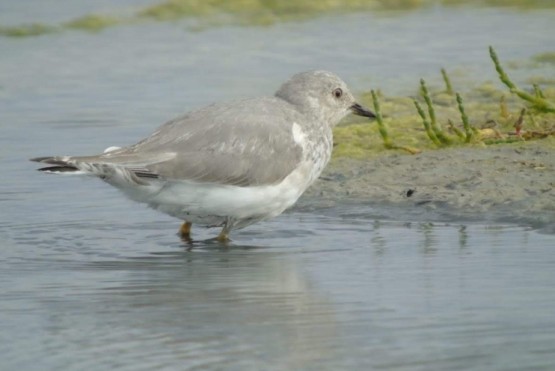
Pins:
x,y
254,143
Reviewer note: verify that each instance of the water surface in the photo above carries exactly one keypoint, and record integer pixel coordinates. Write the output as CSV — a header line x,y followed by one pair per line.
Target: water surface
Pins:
x,y
90,280
334,291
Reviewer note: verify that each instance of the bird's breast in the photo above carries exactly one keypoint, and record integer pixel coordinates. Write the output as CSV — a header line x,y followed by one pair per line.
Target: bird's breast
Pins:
x,y
318,153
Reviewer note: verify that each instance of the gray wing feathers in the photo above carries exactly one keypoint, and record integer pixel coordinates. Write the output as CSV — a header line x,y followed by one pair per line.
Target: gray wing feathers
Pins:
x,y
235,144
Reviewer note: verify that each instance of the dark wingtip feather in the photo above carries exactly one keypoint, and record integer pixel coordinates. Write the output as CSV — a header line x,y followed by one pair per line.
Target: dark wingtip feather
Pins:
x,y
58,169
60,166
143,174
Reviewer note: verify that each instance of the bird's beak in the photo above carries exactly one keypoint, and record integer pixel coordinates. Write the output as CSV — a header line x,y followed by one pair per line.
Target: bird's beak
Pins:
x,y
359,110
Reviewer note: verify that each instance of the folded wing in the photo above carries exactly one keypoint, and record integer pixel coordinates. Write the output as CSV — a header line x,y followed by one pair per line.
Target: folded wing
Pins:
x,y
233,144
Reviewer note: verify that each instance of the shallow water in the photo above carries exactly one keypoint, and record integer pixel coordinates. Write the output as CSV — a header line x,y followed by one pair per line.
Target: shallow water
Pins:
x,y
335,291
90,280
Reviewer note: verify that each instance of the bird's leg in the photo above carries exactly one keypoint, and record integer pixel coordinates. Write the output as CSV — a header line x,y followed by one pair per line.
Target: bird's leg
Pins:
x,y
185,230
224,234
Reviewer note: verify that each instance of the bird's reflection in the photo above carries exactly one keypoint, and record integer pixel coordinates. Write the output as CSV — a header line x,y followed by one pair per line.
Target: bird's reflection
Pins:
x,y
208,301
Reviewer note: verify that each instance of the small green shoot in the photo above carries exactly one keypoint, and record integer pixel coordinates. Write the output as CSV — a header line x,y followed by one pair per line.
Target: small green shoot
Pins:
x,y
447,80
431,112
427,125
537,102
382,128
467,128
381,125
456,130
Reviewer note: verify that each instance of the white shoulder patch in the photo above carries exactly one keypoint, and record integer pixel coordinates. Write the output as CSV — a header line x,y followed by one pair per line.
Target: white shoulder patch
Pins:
x,y
298,134
110,149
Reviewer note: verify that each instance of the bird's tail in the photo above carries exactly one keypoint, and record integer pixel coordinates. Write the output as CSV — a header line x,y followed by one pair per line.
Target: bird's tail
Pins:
x,y
60,164
116,171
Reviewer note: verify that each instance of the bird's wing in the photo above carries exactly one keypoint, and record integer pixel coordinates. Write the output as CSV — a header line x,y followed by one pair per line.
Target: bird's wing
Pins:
x,y
244,144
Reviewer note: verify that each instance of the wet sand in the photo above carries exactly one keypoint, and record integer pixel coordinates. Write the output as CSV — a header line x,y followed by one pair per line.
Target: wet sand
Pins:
x,y
502,183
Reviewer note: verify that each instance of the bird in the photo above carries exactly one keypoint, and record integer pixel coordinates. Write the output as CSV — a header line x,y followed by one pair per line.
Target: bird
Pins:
x,y
229,164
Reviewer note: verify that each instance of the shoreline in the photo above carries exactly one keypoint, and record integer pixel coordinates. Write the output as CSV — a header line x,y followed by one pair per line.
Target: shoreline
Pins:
x,y
512,183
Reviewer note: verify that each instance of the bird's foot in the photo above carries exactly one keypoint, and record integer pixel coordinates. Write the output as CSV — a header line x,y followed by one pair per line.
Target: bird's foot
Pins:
x,y
185,230
223,237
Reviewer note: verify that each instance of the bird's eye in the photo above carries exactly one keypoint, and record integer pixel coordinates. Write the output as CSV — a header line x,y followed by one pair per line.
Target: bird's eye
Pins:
x,y
338,93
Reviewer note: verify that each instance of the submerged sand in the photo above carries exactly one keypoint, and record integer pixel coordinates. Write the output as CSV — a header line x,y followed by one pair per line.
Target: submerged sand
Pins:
x,y
504,183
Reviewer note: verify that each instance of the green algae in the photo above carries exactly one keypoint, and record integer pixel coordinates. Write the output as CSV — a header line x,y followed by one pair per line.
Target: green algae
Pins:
x,y
92,22
548,57
488,116
268,11
362,140
214,13
256,12
521,4
27,30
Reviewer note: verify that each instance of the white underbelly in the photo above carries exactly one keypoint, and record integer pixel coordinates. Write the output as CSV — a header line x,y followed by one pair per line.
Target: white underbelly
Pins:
x,y
212,204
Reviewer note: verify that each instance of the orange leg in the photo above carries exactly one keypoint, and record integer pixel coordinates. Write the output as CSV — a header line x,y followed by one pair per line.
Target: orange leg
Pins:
x,y
223,237
185,230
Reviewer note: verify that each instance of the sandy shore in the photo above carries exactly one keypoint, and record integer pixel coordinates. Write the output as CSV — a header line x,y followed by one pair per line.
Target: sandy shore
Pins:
x,y
508,183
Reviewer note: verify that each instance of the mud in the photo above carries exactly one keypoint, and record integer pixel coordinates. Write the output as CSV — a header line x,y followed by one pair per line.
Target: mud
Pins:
x,y
507,183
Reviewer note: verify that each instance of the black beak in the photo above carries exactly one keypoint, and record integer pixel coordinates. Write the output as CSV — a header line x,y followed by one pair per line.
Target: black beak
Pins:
x,y
359,110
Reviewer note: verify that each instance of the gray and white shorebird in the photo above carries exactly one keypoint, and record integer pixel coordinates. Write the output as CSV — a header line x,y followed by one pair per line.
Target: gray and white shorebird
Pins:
x,y
229,165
